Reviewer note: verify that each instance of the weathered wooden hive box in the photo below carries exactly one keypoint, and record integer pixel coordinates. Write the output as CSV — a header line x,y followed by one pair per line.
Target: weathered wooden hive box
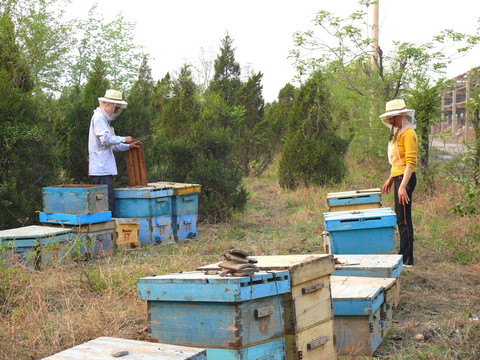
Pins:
x,y
184,209
93,240
389,291
232,317
35,247
308,314
75,199
152,206
372,265
357,318
370,231
127,233
108,348
354,200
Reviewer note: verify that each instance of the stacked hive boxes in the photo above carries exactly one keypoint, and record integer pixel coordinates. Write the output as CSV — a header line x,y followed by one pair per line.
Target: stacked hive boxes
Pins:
x,y
232,317
111,348
184,209
354,200
35,247
84,210
151,207
308,315
365,285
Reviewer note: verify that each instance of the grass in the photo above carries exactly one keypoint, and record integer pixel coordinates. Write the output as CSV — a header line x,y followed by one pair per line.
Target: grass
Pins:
x,y
44,312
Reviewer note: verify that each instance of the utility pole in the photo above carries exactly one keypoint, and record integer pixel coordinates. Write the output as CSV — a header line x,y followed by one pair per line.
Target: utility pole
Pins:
x,y
375,52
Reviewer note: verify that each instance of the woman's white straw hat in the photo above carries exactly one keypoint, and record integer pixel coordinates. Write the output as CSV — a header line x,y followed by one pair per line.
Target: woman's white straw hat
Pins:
x,y
395,107
113,96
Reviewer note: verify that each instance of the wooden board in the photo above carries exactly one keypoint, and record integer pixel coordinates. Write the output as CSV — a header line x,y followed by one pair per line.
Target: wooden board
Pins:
x,y
302,268
369,265
223,325
105,348
178,188
358,335
196,286
136,168
75,199
314,343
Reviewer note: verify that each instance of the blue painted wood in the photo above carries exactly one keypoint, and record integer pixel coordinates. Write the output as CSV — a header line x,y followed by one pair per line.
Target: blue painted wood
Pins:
x,y
197,286
148,201
359,219
104,348
155,230
35,246
369,265
75,199
72,219
355,199
185,227
185,204
356,299
369,231
226,325
272,350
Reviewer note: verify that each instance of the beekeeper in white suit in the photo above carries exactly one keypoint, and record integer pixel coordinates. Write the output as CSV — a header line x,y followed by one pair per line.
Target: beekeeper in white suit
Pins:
x,y
102,141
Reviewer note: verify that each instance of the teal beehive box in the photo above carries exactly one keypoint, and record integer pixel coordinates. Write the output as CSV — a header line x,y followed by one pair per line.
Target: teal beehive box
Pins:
x,y
369,231
358,323
184,209
354,200
75,199
143,202
35,247
232,317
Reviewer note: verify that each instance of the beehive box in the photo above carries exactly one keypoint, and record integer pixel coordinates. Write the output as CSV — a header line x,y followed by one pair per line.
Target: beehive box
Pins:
x,y
223,313
389,291
308,307
156,230
36,247
184,209
370,231
357,318
143,202
371,265
107,348
93,240
75,199
127,234
74,219
355,200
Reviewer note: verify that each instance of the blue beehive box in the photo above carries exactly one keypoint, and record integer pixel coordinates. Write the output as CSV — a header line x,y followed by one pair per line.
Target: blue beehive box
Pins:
x,y
354,200
75,199
369,231
106,348
369,265
143,202
184,209
156,230
35,247
75,219
230,316
357,321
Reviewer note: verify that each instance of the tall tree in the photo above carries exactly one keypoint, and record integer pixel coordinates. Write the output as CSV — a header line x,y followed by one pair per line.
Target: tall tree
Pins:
x,y
226,78
313,153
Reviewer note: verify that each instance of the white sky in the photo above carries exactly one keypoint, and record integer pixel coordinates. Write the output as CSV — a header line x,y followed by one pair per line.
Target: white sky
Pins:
x,y
173,32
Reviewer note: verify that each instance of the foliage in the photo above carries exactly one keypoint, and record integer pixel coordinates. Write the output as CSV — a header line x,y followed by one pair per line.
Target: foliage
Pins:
x,y
25,148
313,153
42,38
191,145
113,42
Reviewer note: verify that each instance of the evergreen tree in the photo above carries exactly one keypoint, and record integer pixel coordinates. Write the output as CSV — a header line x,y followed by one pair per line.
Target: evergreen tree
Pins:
x,y
25,157
313,153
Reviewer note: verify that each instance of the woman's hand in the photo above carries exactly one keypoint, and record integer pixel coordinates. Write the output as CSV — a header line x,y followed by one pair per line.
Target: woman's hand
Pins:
x,y
387,186
403,198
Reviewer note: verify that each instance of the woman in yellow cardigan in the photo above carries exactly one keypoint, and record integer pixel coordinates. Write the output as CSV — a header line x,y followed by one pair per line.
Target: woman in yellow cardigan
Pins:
x,y
402,155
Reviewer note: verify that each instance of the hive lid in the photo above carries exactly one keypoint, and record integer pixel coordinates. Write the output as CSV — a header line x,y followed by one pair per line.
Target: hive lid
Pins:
x,y
179,188
358,299
355,193
33,231
143,192
198,286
